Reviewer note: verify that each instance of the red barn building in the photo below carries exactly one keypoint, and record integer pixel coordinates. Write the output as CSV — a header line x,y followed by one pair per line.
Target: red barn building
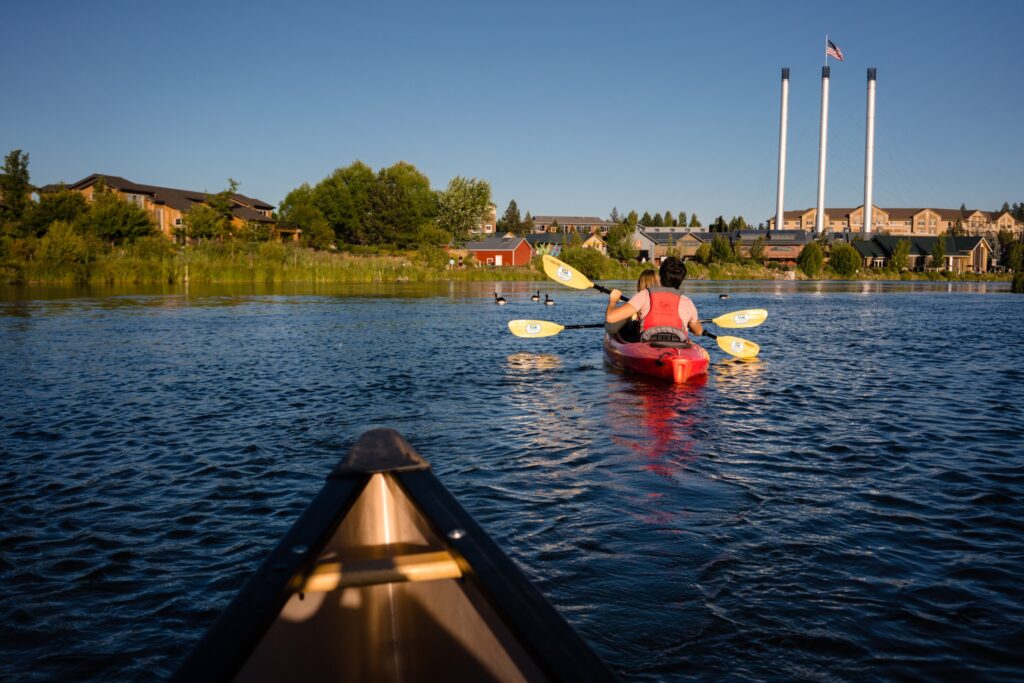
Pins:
x,y
501,251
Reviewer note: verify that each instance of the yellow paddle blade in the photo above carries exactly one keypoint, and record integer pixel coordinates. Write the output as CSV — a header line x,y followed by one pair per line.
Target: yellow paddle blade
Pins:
x,y
741,348
565,274
752,317
534,328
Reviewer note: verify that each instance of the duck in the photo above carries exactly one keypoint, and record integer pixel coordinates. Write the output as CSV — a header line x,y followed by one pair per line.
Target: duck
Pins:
x,y
548,301
535,297
500,300
723,296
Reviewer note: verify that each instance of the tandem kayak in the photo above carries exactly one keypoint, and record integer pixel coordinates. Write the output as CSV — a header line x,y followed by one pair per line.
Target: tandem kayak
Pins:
x,y
676,361
385,577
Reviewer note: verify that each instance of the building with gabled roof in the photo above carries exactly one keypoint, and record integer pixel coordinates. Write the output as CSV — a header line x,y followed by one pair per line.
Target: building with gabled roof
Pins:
x,y
968,254
508,250
167,206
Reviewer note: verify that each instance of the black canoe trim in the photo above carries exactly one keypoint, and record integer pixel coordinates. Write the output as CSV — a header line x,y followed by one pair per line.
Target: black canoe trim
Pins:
x,y
556,648
239,629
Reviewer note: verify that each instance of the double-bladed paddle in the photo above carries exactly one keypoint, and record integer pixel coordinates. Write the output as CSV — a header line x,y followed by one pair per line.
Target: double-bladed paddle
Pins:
x,y
752,317
535,329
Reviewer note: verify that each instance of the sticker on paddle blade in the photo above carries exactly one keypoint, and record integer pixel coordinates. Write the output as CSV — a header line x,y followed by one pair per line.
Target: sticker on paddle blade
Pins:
x,y
737,346
740,318
563,274
533,328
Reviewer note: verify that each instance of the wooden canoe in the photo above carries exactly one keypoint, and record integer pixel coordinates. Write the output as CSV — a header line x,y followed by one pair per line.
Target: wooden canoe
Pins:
x,y
385,577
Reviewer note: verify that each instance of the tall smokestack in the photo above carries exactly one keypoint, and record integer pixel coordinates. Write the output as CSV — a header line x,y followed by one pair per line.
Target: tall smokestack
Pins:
x,y
819,214
783,123
869,153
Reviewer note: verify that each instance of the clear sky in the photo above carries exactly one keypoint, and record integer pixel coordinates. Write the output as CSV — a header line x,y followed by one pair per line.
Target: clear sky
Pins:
x,y
568,108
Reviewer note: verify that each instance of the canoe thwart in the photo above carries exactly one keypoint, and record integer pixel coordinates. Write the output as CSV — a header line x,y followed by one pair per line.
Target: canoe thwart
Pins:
x,y
429,566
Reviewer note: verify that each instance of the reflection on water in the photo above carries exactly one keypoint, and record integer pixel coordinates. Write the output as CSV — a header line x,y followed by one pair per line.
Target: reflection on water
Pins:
x,y
519,362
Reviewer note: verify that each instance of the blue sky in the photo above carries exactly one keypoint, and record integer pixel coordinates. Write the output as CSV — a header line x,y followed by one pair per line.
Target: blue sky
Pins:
x,y
568,108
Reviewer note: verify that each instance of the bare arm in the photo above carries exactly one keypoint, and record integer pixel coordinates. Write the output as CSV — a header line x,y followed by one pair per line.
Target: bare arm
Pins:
x,y
696,327
623,312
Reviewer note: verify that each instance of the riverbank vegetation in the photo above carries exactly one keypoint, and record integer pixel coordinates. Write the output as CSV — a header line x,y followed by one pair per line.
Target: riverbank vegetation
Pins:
x,y
358,226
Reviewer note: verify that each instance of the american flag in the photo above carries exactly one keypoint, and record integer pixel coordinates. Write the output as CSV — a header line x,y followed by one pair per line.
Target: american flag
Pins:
x,y
832,50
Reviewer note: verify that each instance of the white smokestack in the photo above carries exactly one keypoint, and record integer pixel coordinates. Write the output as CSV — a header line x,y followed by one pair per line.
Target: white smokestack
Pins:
x,y
783,123
869,153
819,214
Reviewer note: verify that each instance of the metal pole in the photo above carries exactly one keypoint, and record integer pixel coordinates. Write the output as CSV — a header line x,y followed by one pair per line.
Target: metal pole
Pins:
x,y
783,123
819,214
869,153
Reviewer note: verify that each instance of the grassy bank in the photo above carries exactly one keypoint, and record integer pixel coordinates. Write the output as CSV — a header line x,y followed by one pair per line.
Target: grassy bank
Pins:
x,y
156,261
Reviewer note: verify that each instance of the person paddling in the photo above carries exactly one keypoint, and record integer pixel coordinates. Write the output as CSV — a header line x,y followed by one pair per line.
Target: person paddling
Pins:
x,y
665,314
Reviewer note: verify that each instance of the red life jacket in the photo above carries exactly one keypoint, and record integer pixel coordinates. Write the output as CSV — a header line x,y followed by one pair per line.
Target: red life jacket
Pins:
x,y
663,318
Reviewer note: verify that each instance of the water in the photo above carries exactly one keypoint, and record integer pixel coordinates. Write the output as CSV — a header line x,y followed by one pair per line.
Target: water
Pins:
x,y
850,507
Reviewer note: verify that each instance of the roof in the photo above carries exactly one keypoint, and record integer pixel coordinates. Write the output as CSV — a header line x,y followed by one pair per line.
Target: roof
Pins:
x,y
674,236
572,220
919,245
182,200
496,244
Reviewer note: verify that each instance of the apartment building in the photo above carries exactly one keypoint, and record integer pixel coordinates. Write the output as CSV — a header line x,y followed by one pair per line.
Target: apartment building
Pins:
x,y
167,206
898,221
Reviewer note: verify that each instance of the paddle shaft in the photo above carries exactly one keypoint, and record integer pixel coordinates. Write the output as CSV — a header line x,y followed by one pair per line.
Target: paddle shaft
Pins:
x,y
594,326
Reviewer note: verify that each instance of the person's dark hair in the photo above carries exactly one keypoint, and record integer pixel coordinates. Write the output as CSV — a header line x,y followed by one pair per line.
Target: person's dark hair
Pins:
x,y
672,272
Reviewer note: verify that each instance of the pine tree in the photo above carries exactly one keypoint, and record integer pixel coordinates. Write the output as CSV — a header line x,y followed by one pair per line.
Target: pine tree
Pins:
x,y
681,221
658,220
670,220
694,221
646,219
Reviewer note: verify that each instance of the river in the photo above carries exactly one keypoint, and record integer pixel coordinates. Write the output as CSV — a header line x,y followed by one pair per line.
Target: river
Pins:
x,y
849,507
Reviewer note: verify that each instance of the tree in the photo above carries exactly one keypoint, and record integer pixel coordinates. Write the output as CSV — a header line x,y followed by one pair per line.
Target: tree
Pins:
x,y
738,223
669,219
203,222
614,216
343,198
620,245
722,249
958,228
939,253
844,259
14,192
1001,245
511,221
632,220
658,220
1015,259
223,202
62,205
114,220
703,254
400,201
317,233
719,225
757,249
462,205
694,221
646,219
901,255
681,221
811,259
528,224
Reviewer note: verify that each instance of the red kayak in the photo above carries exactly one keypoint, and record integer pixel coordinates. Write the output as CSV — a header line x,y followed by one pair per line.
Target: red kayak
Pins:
x,y
677,361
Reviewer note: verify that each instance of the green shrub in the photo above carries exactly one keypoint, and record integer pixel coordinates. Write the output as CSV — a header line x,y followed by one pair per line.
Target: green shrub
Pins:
x,y
844,259
811,260
703,254
590,262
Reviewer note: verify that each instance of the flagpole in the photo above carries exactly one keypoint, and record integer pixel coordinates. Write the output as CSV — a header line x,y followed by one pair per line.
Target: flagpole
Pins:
x,y
826,49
